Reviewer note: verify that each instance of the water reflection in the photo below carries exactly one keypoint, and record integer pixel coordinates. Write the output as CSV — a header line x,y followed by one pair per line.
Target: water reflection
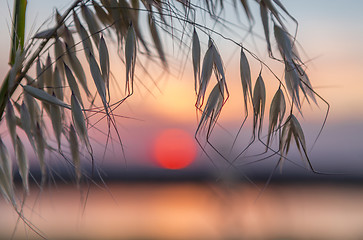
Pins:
x,y
192,211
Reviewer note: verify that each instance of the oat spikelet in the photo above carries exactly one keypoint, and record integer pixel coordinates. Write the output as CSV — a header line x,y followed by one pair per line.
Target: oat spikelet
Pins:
x,y
72,83
26,123
44,34
39,71
48,75
130,55
277,112
218,63
87,45
213,107
102,15
23,163
258,100
78,121
58,20
306,86
104,62
40,144
5,162
264,17
212,60
6,174
11,122
296,79
134,18
207,69
298,132
73,143
270,6
125,15
59,49
285,45
196,60
44,97
58,85
93,26
278,3
77,68
245,73
115,11
292,129
68,37
156,39
292,82
33,109
97,78
56,117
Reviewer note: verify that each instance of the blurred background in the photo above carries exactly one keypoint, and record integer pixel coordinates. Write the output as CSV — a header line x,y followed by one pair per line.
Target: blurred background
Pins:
x,y
140,197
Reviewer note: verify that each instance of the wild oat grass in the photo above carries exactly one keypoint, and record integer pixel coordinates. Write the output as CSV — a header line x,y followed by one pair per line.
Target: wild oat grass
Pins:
x,y
60,90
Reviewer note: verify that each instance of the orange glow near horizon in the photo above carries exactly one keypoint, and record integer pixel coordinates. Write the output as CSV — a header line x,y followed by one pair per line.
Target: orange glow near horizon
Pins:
x,y
174,149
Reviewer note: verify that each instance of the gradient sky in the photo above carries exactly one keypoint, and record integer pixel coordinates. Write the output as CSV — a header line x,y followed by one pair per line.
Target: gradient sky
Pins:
x,y
331,35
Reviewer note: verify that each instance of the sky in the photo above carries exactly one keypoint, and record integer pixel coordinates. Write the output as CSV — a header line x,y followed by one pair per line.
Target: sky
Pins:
x,y
331,35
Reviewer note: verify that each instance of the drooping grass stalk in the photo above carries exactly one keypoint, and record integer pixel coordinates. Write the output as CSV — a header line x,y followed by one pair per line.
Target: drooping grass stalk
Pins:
x,y
5,92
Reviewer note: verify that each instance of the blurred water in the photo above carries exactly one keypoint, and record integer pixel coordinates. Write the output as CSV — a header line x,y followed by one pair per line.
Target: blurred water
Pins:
x,y
191,211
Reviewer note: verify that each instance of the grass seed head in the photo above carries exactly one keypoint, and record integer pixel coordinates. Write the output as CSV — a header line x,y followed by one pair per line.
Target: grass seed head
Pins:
x,y
74,146
207,69
11,121
130,55
92,24
105,61
98,80
26,123
259,100
58,84
196,59
72,83
48,75
245,73
40,144
23,163
78,121
77,68
277,112
156,38
44,97
213,106
6,174
39,72
60,50
87,45
102,15
218,64
56,118
265,22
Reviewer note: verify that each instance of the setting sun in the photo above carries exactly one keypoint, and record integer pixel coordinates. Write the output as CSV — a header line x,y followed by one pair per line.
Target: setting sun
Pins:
x,y
174,149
